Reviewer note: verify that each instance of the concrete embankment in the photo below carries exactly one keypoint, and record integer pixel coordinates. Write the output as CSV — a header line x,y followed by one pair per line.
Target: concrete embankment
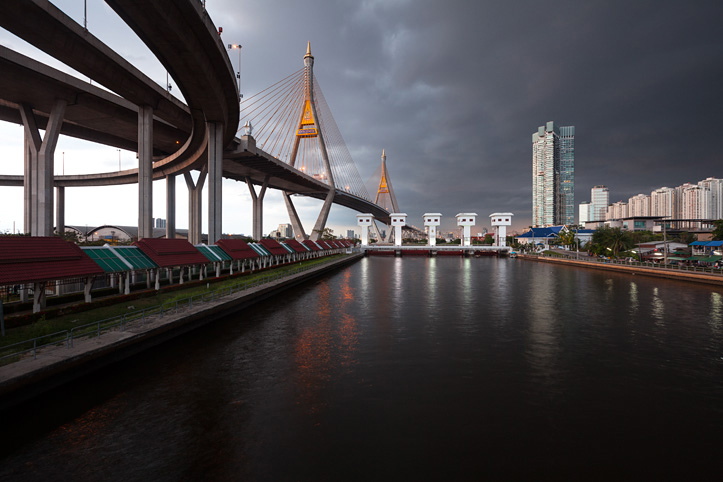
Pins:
x,y
55,366
679,275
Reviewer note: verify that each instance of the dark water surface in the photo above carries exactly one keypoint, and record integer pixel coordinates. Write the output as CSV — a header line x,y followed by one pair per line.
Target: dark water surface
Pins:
x,y
408,369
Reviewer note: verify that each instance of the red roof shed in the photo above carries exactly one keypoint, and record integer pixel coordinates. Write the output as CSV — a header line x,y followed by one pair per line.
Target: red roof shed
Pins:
x,y
167,253
311,245
237,248
273,247
296,246
26,259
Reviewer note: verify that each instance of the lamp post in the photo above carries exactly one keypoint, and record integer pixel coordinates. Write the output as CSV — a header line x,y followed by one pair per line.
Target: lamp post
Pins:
x,y
119,164
238,74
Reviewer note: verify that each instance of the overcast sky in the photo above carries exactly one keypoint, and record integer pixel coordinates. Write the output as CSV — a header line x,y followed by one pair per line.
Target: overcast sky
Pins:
x,y
452,91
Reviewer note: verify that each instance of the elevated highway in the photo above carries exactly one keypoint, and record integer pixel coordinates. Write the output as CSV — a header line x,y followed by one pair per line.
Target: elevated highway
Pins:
x,y
191,50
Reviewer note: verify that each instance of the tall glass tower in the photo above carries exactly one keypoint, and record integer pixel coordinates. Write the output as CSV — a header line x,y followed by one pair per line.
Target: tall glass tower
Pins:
x,y
553,175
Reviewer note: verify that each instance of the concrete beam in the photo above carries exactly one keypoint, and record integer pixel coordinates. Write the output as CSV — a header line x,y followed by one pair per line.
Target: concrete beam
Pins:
x,y
145,172
214,131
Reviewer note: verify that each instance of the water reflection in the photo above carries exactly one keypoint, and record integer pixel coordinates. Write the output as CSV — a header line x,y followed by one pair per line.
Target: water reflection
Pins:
x,y
543,318
658,308
634,303
716,313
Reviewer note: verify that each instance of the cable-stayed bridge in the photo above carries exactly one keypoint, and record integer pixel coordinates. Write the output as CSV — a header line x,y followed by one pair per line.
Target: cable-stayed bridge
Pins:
x,y
306,156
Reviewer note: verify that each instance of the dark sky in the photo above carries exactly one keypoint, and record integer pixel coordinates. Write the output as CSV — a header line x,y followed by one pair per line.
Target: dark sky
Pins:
x,y
453,90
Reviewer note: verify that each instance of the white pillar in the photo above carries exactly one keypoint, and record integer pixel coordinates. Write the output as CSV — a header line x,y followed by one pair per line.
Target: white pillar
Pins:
x,y
215,171
466,221
500,221
398,221
431,221
364,221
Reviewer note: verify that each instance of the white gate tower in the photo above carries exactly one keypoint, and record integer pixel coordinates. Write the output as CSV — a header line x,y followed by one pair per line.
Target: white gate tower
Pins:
x,y
500,221
364,221
466,220
432,220
398,221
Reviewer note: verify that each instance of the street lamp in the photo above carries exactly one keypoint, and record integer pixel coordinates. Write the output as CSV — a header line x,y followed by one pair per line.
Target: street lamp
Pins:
x,y
119,164
238,74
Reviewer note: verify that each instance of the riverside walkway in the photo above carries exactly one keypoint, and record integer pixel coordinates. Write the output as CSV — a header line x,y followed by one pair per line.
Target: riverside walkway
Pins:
x,y
36,372
693,274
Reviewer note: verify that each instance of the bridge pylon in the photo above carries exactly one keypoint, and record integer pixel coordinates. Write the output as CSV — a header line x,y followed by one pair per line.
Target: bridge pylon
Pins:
x,y
385,197
309,127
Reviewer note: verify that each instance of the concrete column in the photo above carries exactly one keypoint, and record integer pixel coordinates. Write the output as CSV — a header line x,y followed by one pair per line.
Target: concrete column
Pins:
x,y
170,206
214,131
28,153
258,207
42,165
195,205
299,233
158,279
145,172
38,296
87,288
60,211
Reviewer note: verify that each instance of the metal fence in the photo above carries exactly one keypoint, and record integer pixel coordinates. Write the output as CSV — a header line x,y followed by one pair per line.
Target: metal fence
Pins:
x,y
646,264
14,352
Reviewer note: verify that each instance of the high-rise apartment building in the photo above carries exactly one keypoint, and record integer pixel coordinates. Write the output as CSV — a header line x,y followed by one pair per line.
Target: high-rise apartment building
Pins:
x,y
639,205
600,198
553,175
349,234
695,203
618,210
662,202
716,196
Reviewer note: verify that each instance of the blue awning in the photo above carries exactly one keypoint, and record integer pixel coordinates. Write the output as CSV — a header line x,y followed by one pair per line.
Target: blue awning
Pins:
x,y
698,243
714,243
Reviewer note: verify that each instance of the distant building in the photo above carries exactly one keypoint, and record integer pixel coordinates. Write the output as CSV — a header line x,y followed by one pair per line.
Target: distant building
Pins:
x,y
585,213
600,198
159,223
285,231
618,210
553,175
349,234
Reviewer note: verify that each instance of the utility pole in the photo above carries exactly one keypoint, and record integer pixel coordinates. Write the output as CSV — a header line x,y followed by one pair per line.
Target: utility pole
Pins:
x,y
665,245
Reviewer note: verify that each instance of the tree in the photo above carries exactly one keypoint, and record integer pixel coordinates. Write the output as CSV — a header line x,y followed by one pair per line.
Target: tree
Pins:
x,y
718,230
328,233
567,238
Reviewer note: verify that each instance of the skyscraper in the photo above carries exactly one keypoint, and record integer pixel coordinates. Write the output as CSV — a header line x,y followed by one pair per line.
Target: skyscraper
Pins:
x,y
553,175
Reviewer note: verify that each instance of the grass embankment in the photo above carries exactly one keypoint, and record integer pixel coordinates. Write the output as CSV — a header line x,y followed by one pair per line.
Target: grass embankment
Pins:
x,y
66,322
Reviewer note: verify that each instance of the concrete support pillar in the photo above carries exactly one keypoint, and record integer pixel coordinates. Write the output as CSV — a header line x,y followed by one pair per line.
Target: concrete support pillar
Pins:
x,y
218,270
38,296
23,293
299,233
28,162
158,279
214,131
60,210
42,165
180,275
195,205
169,273
170,206
86,289
258,207
148,279
323,216
145,172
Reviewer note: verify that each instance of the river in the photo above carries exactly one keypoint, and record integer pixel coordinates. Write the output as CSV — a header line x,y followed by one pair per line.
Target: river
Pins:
x,y
407,369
